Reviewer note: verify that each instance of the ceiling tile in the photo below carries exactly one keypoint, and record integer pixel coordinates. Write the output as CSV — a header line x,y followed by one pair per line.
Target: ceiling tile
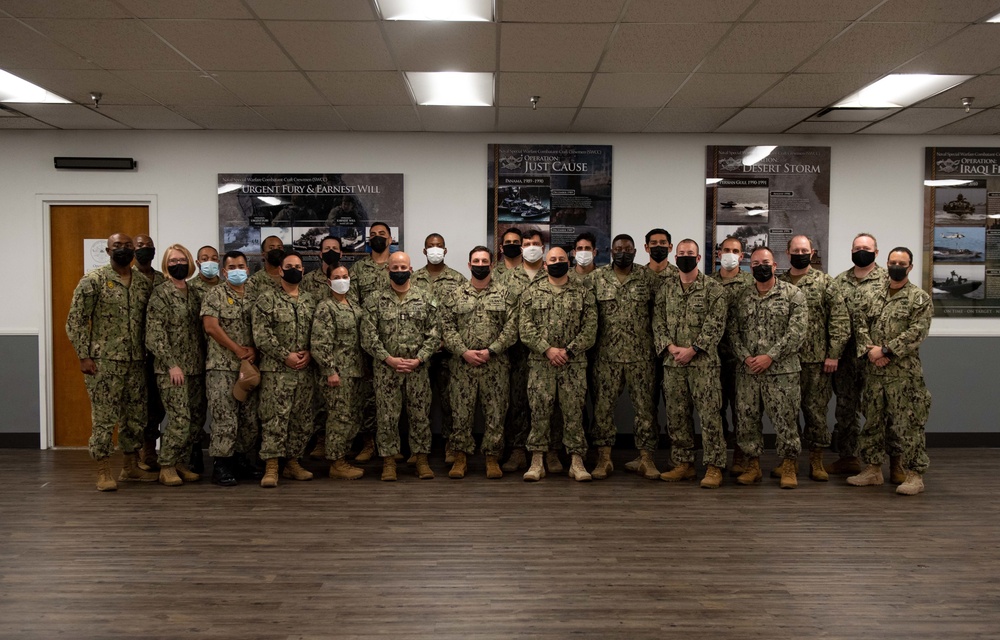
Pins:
x,y
877,48
985,90
457,118
612,120
271,87
555,89
361,88
679,11
69,116
380,118
520,119
180,87
689,120
915,121
334,46
231,118
953,55
633,89
187,9
827,127
145,117
764,120
799,11
814,89
722,89
22,123
441,46
553,48
749,47
934,11
561,11
232,45
661,48
76,85
304,118
312,9
93,9
984,123
113,44
23,48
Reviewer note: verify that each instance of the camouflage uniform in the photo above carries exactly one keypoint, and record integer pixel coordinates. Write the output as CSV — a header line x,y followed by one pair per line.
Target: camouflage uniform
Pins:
x,y
155,412
895,396
259,283
695,317
402,328
728,361
473,319
175,337
200,287
234,423
563,317
106,323
316,283
828,331
336,347
367,278
848,381
670,270
624,352
281,325
775,325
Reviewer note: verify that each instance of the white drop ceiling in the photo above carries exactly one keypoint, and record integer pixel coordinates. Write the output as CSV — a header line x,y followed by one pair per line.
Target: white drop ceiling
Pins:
x,y
628,66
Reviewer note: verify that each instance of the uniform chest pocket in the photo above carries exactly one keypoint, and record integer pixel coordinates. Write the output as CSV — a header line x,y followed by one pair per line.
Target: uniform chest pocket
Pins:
x,y
572,303
900,312
541,304
345,322
464,308
495,305
640,293
284,315
230,311
778,308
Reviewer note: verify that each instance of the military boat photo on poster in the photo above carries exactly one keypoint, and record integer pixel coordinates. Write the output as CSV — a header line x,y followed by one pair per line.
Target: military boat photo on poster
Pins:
x,y
961,266
562,190
765,195
302,209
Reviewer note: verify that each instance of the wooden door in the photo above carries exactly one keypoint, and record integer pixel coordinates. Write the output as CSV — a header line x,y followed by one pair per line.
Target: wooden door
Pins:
x,y
70,226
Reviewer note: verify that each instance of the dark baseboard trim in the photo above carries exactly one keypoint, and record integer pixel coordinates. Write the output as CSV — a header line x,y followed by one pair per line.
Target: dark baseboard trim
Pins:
x,y
19,441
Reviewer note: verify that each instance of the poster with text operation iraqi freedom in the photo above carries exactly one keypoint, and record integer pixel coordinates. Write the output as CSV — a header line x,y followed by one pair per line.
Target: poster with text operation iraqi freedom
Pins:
x,y
961,266
765,195
302,209
561,190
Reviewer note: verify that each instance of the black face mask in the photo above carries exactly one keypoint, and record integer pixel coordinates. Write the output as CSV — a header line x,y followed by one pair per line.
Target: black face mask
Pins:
x,y
800,260
557,269
480,271
897,272
291,276
178,271
145,255
331,258
658,253
274,257
624,260
763,272
512,250
378,244
863,258
399,277
122,257
687,264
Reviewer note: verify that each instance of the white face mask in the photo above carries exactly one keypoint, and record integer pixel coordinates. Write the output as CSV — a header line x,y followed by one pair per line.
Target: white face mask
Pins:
x,y
729,261
532,253
340,286
435,255
584,258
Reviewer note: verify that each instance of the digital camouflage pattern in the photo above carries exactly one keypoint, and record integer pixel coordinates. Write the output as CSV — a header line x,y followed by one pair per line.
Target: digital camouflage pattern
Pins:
x,y
234,313
261,282
200,287
174,333
727,359
186,407
117,397
336,348
367,278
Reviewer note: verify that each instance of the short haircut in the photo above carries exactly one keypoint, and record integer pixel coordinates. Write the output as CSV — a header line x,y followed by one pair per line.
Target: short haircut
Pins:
x,y
588,236
187,255
866,235
340,243
515,231
657,232
728,238
800,235
207,246
690,241
477,249
433,235
289,254
623,236
264,241
533,233
381,224
762,248
903,250
233,255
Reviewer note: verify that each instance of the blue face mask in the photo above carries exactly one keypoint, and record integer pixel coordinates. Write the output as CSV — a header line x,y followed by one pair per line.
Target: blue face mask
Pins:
x,y
209,269
236,277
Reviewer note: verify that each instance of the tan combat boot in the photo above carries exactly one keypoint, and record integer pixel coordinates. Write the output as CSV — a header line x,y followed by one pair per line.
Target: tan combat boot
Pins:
x,y
844,465
739,462
389,469
751,472
816,470
633,465
423,468
870,477
104,480
647,466
683,471
712,479
294,471
493,471
516,461
897,474
367,450
131,470
449,454
186,474
319,451
270,479
577,471
168,476
553,462
460,465
604,466
537,470
147,456
789,473
913,484
343,470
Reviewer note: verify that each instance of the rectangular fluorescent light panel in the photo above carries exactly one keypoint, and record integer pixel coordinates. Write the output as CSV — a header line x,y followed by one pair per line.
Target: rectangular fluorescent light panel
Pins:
x,y
442,10
14,89
452,88
900,90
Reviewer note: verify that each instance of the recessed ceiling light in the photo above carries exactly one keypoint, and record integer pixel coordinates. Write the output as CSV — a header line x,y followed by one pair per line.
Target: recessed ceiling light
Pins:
x,y
452,88
14,89
443,10
900,90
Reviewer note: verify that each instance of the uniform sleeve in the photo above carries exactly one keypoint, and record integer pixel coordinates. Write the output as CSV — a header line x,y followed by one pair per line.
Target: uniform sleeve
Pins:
x,y
508,335
210,305
530,335
588,330
715,320
432,335
263,329
323,338
734,329
370,339
79,319
798,324
449,328
157,335
859,309
662,337
838,328
919,326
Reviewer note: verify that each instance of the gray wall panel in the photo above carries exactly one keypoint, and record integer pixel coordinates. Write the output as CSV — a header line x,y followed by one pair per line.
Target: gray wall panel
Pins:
x,y
20,411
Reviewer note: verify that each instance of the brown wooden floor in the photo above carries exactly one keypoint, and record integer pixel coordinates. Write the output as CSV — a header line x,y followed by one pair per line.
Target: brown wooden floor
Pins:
x,y
623,558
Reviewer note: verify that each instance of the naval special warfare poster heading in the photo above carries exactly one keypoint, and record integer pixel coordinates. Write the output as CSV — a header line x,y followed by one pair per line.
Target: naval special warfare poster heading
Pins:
x,y
961,267
561,190
302,209
765,195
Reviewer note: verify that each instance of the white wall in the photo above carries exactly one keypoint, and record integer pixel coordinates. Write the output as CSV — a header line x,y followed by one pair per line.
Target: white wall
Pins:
x,y
658,181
